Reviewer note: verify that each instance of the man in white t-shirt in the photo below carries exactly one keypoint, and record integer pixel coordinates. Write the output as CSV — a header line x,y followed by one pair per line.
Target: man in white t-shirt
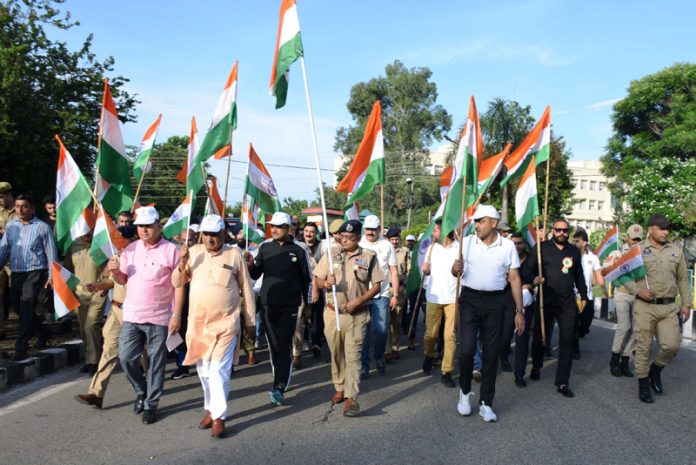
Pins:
x,y
440,293
381,304
490,262
592,272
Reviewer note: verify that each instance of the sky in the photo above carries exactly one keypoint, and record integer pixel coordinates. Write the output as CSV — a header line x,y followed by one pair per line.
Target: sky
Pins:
x,y
577,57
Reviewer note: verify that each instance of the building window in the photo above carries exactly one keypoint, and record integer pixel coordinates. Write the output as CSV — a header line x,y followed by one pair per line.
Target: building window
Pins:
x,y
591,205
593,185
583,185
600,205
601,186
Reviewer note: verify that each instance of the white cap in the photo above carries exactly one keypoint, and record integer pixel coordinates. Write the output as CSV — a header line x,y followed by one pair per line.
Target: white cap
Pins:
x,y
212,224
410,237
280,219
485,211
371,222
146,215
195,228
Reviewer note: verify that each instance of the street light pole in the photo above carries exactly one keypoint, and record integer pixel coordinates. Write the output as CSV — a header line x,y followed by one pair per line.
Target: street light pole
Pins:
x,y
409,181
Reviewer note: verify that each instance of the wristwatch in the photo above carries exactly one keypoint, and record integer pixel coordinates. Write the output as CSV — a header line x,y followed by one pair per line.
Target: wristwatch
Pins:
x,y
520,310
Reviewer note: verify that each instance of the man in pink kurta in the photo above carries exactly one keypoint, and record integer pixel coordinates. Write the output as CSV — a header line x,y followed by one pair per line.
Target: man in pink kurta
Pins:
x,y
217,273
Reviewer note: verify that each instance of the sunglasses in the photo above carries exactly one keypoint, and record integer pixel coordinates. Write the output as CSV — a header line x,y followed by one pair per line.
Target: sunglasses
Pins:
x,y
561,230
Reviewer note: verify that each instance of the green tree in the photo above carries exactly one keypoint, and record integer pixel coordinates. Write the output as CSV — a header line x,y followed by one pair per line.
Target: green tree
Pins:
x,y
294,207
47,89
652,153
411,121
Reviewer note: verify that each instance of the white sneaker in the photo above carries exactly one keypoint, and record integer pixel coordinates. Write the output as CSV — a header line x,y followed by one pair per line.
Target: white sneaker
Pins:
x,y
486,413
464,405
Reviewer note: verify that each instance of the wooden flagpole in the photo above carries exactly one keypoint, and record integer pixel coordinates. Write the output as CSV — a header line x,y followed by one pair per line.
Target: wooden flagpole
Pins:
x,y
137,191
541,285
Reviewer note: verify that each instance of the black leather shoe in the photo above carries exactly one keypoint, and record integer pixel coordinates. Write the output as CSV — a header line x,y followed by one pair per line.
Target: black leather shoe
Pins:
x,y
427,365
535,374
565,390
149,416
644,391
505,365
655,378
139,405
447,380
615,364
625,370
520,382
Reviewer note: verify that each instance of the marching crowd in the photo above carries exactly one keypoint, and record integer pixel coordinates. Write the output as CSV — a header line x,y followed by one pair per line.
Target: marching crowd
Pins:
x,y
207,295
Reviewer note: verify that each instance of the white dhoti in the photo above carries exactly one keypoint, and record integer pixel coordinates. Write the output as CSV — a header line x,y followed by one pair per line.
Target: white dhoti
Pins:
x,y
215,379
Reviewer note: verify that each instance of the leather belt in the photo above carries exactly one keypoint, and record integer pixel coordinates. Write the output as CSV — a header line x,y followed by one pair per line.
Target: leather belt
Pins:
x,y
484,293
665,301
360,309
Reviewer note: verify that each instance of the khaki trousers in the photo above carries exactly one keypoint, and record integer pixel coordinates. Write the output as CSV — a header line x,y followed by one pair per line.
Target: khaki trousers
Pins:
x,y
346,347
88,317
298,338
624,337
433,317
109,356
395,320
660,321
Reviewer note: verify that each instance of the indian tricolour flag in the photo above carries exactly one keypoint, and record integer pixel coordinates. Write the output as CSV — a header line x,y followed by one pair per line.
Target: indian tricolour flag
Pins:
x,y
64,284
178,222
259,184
464,188
609,244
72,200
627,269
367,168
142,159
107,240
530,235
288,50
488,171
191,173
216,205
250,220
526,199
536,145
217,141
113,173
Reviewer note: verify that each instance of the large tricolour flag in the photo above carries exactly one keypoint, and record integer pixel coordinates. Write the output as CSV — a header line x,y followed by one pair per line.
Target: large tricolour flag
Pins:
x,y
259,184
288,50
72,200
464,188
107,240
218,139
627,269
64,284
609,244
250,220
536,145
191,173
526,199
367,168
142,159
113,173
216,205
176,224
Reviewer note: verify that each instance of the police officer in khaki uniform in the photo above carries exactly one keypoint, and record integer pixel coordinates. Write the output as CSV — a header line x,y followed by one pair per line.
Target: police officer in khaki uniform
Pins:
x,y
7,214
91,307
403,258
357,276
655,311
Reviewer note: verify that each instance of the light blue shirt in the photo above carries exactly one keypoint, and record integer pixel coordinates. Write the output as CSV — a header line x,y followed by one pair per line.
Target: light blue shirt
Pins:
x,y
29,246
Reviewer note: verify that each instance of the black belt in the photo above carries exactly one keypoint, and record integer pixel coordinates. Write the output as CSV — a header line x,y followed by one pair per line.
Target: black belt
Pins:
x,y
665,301
484,293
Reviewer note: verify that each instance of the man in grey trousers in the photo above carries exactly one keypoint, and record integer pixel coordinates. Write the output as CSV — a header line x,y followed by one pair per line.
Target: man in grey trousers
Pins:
x,y
151,310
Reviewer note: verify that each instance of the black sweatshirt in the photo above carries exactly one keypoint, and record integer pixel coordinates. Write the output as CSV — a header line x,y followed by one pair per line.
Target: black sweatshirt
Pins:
x,y
562,271
285,273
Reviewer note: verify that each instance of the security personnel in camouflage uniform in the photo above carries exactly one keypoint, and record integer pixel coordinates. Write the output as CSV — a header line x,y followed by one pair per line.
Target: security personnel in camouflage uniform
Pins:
x,y
7,214
655,311
403,257
357,276
91,309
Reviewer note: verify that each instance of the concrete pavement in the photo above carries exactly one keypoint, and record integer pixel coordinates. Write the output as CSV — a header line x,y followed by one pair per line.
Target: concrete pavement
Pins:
x,y
406,417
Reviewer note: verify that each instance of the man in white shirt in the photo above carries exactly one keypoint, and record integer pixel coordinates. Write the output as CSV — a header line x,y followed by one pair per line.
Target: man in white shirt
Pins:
x,y
592,272
381,304
490,262
440,293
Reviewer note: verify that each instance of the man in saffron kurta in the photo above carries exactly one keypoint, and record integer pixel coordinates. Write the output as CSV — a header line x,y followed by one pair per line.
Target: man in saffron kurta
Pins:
x,y
217,273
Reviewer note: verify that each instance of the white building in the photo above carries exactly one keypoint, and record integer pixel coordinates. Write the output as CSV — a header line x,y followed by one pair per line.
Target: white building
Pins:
x,y
592,202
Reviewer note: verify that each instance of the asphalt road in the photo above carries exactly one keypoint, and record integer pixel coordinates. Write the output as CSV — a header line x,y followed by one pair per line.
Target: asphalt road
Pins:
x,y
407,418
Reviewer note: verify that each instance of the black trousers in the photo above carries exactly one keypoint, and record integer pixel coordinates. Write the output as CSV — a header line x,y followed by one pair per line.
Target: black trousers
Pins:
x,y
317,328
279,323
522,343
565,315
508,326
406,321
485,312
24,293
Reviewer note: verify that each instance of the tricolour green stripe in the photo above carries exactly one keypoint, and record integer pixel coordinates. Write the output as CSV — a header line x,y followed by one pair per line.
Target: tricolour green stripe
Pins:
x,y
218,136
265,201
288,53
631,276
373,177
141,163
113,168
69,212
531,211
